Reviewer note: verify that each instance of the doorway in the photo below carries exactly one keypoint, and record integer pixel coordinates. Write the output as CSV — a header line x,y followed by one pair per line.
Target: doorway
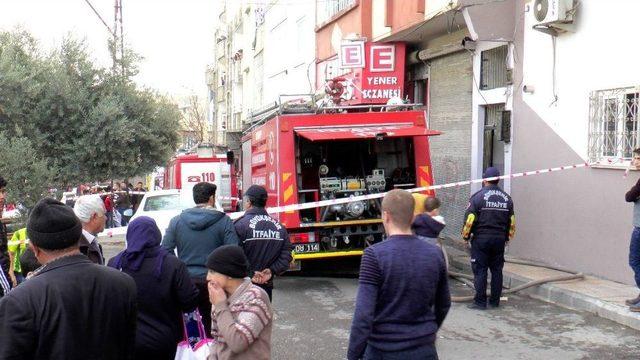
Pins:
x,y
493,144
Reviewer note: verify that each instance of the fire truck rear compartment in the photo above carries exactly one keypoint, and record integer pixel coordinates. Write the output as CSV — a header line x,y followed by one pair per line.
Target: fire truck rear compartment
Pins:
x,y
343,168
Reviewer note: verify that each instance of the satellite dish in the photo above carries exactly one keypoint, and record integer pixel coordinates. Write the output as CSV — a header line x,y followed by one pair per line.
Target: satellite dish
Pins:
x,y
540,9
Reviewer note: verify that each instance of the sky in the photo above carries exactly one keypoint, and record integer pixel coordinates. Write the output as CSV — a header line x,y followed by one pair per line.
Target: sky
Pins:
x,y
175,37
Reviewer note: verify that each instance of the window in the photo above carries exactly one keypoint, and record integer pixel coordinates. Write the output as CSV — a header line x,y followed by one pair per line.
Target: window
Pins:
x,y
163,202
494,72
613,124
327,9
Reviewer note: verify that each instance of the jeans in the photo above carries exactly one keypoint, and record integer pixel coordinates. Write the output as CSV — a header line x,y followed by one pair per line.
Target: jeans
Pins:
x,y
125,219
424,352
487,253
634,254
110,223
204,304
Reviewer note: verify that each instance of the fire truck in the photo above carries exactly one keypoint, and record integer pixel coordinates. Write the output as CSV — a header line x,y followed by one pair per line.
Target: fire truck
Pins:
x,y
336,152
203,165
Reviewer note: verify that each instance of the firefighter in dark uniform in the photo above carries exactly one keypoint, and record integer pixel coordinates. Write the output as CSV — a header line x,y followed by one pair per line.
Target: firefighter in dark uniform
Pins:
x,y
265,241
489,225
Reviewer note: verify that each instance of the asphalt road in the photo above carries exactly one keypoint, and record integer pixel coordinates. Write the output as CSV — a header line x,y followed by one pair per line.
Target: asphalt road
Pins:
x,y
313,317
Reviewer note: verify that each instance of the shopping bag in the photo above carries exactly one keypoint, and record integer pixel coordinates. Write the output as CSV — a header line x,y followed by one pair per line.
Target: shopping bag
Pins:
x,y
195,345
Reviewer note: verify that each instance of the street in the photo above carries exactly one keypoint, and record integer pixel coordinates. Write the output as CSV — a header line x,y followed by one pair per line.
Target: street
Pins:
x,y
313,318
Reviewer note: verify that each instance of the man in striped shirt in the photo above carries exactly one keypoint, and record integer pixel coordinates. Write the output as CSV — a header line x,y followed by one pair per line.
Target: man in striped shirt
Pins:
x,y
5,262
403,293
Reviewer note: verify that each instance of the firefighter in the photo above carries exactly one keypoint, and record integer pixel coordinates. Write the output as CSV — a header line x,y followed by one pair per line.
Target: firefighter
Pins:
x,y
264,240
489,225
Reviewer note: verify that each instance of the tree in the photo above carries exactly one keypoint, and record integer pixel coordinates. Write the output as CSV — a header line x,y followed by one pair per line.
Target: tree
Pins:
x,y
85,121
195,119
28,176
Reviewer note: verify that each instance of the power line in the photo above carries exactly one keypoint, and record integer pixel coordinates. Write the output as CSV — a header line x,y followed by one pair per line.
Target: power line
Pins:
x,y
100,17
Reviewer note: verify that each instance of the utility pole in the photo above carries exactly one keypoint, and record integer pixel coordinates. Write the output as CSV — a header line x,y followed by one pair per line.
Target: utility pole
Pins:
x,y
117,33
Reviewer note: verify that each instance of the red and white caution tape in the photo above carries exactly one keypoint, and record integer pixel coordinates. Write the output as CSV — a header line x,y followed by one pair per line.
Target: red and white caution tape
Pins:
x,y
323,203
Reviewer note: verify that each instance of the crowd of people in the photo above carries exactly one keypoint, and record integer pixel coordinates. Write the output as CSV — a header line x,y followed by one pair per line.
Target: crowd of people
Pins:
x,y
70,303
121,200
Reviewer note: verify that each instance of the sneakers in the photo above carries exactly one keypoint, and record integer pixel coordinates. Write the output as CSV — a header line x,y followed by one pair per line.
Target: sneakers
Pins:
x,y
634,307
474,306
634,301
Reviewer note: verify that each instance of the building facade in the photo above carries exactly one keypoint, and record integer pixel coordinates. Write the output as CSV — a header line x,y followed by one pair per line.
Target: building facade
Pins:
x,y
521,95
264,49
578,102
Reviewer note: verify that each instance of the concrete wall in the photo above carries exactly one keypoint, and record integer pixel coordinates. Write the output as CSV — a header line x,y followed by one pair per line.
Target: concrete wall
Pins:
x,y
289,50
450,112
329,34
389,17
575,218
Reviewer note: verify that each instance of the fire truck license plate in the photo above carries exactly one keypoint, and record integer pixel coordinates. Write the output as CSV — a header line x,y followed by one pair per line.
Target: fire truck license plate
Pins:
x,y
307,248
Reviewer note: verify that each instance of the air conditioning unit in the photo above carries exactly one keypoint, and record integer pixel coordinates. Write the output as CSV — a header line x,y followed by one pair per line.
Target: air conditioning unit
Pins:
x,y
553,12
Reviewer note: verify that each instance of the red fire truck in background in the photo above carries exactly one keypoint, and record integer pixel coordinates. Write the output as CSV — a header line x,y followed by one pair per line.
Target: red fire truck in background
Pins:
x,y
186,170
307,157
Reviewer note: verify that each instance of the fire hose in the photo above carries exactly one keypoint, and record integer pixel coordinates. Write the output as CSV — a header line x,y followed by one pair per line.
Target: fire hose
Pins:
x,y
467,279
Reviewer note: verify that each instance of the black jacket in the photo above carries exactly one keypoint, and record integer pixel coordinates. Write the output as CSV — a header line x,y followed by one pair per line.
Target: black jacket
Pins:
x,y
265,241
161,302
425,225
5,262
91,250
72,309
490,214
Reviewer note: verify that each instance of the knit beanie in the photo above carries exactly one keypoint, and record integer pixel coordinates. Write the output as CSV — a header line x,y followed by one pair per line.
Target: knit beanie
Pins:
x,y
229,260
53,225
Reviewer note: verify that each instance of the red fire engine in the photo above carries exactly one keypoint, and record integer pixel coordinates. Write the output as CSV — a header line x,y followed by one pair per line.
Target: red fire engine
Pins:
x,y
186,170
307,157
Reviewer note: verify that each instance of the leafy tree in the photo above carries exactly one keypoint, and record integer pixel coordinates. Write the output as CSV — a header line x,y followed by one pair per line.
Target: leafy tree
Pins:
x,y
87,122
27,175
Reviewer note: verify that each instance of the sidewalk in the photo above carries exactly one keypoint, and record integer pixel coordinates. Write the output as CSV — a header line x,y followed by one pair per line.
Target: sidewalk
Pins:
x,y
601,297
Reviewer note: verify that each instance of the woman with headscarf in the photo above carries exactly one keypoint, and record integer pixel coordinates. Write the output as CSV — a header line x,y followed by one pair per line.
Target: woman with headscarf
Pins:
x,y
165,290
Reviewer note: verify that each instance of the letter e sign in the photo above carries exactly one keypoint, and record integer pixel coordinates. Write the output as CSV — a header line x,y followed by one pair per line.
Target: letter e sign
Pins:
x,y
352,55
382,58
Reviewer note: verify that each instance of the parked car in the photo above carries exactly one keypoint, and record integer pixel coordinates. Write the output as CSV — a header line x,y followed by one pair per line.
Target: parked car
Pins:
x,y
164,205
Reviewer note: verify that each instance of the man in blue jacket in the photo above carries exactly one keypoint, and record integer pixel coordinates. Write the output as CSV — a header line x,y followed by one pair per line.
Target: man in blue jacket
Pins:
x,y
403,293
264,240
195,233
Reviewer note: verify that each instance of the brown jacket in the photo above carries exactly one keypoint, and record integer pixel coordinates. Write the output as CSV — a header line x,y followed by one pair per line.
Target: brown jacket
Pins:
x,y
241,326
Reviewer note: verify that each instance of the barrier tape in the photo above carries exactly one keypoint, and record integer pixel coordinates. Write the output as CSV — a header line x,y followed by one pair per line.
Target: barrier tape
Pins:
x,y
323,203
72,197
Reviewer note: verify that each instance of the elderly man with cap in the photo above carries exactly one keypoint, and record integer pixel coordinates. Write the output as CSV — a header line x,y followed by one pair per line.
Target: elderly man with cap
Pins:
x,y
489,225
54,314
92,214
263,238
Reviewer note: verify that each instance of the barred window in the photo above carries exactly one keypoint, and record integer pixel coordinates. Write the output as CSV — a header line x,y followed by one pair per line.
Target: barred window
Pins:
x,y
613,124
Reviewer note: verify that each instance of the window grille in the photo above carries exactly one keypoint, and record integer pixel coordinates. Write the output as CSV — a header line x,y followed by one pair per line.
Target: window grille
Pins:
x,y
494,72
613,124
